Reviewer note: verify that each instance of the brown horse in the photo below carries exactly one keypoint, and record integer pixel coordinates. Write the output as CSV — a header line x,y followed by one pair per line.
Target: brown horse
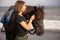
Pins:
x,y
37,23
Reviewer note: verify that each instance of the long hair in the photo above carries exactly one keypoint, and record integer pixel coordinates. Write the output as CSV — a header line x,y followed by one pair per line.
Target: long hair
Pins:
x,y
18,6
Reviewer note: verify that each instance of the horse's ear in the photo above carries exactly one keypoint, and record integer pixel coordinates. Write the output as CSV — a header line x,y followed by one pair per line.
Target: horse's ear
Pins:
x,y
43,7
35,8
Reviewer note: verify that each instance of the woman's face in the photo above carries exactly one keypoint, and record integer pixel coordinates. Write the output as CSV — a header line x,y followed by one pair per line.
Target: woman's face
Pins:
x,y
24,8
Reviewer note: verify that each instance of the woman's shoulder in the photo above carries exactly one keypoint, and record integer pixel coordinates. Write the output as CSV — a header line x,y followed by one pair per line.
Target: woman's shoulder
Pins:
x,y
19,16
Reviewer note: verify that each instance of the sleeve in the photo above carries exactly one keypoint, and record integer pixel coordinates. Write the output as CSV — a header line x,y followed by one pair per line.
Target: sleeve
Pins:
x,y
19,19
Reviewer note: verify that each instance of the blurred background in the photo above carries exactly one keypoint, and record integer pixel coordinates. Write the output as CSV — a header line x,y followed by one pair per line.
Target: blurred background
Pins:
x,y
51,20
7,3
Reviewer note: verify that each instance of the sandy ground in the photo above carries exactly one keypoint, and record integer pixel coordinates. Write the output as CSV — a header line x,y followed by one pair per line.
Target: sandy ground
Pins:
x,y
51,25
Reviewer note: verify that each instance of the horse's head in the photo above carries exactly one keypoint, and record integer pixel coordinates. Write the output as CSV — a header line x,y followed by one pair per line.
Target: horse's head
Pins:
x,y
38,22
39,16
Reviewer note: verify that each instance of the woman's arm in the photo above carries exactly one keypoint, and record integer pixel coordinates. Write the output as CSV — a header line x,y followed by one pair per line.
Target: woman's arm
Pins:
x,y
27,25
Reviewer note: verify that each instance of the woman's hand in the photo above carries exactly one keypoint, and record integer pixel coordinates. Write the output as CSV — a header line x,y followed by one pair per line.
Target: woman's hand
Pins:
x,y
32,17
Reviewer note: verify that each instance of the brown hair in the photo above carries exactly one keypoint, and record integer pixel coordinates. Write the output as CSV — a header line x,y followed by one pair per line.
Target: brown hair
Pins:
x,y
18,6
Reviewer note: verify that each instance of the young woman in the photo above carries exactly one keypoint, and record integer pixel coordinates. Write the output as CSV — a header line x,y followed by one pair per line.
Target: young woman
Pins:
x,y
22,25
